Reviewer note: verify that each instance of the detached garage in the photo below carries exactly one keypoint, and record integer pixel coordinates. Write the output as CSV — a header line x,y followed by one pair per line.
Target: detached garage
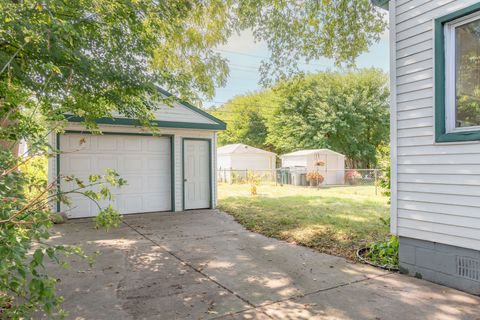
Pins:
x,y
171,172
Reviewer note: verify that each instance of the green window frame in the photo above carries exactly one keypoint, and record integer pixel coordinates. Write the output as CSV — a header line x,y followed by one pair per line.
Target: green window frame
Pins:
x,y
441,134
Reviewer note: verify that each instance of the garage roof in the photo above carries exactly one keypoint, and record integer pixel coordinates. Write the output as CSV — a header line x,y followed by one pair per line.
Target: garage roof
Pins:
x,y
241,148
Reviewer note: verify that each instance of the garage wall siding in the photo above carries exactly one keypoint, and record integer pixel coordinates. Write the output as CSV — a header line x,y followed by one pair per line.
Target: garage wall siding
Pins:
x,y
178,134
437,184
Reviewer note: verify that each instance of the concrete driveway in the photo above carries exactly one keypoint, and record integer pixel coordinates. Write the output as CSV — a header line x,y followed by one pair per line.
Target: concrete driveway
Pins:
x,y
203,265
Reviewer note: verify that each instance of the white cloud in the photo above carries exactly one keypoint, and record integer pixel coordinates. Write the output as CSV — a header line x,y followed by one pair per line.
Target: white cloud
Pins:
x,y
242,43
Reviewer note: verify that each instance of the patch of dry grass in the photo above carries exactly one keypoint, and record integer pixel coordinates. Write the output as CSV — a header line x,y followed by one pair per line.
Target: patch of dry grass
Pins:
x,y
332,220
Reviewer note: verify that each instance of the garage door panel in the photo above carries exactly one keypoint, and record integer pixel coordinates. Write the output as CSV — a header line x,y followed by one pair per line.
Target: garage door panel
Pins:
x,y
157,164
134,184
153,201
132,203
132,144
155,182
162,147
107,143
77,164
106,162
132,164
74,143
143,161
80,206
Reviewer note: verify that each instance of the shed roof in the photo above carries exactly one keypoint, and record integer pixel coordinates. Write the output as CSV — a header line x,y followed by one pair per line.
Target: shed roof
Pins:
x,y
241,148
309,152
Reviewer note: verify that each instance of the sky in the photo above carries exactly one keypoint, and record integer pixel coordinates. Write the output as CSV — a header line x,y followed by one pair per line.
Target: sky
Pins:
x,y
244,57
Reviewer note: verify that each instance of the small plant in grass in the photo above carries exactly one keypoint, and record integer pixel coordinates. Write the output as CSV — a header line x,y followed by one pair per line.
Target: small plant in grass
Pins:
x,y
253,180
384,254
236,178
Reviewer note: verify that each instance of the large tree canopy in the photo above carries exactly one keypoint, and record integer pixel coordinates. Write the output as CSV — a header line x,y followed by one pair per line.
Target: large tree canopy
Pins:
x,y
92,57
344,112
246,118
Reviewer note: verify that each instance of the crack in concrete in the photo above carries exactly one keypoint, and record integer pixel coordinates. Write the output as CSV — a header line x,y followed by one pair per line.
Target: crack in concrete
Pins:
x,y
185,263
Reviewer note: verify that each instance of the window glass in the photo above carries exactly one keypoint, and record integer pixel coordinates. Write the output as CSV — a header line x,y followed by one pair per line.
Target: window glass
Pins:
x,y
467,75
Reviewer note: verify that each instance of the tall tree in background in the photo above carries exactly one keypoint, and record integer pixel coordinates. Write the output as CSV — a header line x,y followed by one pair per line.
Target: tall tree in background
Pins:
x,y
347,113
246,118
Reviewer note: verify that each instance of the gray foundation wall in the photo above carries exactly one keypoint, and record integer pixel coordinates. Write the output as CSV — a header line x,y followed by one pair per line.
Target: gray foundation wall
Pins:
x,y
443,264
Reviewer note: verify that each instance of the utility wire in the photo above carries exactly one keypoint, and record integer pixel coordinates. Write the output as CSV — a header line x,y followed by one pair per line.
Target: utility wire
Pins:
x,y
264,57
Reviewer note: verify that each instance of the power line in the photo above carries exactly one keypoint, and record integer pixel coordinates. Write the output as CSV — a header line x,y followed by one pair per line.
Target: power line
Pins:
x,y
265,57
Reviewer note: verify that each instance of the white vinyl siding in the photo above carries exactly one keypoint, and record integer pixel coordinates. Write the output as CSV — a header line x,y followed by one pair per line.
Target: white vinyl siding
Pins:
x,y
180,113
437,186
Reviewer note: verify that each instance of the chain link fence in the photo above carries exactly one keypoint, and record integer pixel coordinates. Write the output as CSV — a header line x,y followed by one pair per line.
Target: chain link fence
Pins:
x,y
303,177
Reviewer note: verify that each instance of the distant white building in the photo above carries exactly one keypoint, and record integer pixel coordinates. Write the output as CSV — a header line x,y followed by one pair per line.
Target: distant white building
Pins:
x,y
330,164
241,158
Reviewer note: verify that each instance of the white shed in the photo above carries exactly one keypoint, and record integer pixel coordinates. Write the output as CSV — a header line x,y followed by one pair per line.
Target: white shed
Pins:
x,y
171,172
435,139
240,158
329,163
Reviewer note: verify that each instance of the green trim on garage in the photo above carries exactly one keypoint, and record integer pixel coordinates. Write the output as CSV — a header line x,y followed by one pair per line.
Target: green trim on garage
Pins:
x,y
209,169
58,169
441,134
172,157
163,124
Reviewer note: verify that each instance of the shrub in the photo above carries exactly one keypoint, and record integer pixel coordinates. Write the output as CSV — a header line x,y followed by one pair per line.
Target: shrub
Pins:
x,y
385,253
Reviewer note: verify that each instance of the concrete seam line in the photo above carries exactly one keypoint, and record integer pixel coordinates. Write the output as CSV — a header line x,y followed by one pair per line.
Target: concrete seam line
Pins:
x,y
304,295
190,266
323,290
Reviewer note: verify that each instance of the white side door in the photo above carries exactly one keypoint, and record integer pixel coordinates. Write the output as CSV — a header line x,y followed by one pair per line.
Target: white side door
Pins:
x,y
197,174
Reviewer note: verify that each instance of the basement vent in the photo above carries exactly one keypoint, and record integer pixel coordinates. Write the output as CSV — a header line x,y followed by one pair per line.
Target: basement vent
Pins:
x,y
468,268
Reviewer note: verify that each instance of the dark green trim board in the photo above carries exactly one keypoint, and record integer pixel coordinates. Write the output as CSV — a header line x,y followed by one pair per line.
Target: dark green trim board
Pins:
x,y
172,156
172,171
441,134
58,169
210,164
381,3
158,123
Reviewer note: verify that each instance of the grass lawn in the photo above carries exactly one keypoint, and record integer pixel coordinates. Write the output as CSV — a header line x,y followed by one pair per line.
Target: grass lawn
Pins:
x,y
336,220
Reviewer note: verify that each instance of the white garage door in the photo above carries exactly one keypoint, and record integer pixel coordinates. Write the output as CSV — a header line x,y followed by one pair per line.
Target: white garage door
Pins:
x,y
144,161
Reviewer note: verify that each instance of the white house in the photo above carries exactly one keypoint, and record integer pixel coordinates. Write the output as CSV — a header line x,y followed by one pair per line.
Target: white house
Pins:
x,y
435,123
329,163
240,158
171,172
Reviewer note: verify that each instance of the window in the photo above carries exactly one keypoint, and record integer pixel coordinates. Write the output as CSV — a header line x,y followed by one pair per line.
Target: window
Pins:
x,y
457,76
